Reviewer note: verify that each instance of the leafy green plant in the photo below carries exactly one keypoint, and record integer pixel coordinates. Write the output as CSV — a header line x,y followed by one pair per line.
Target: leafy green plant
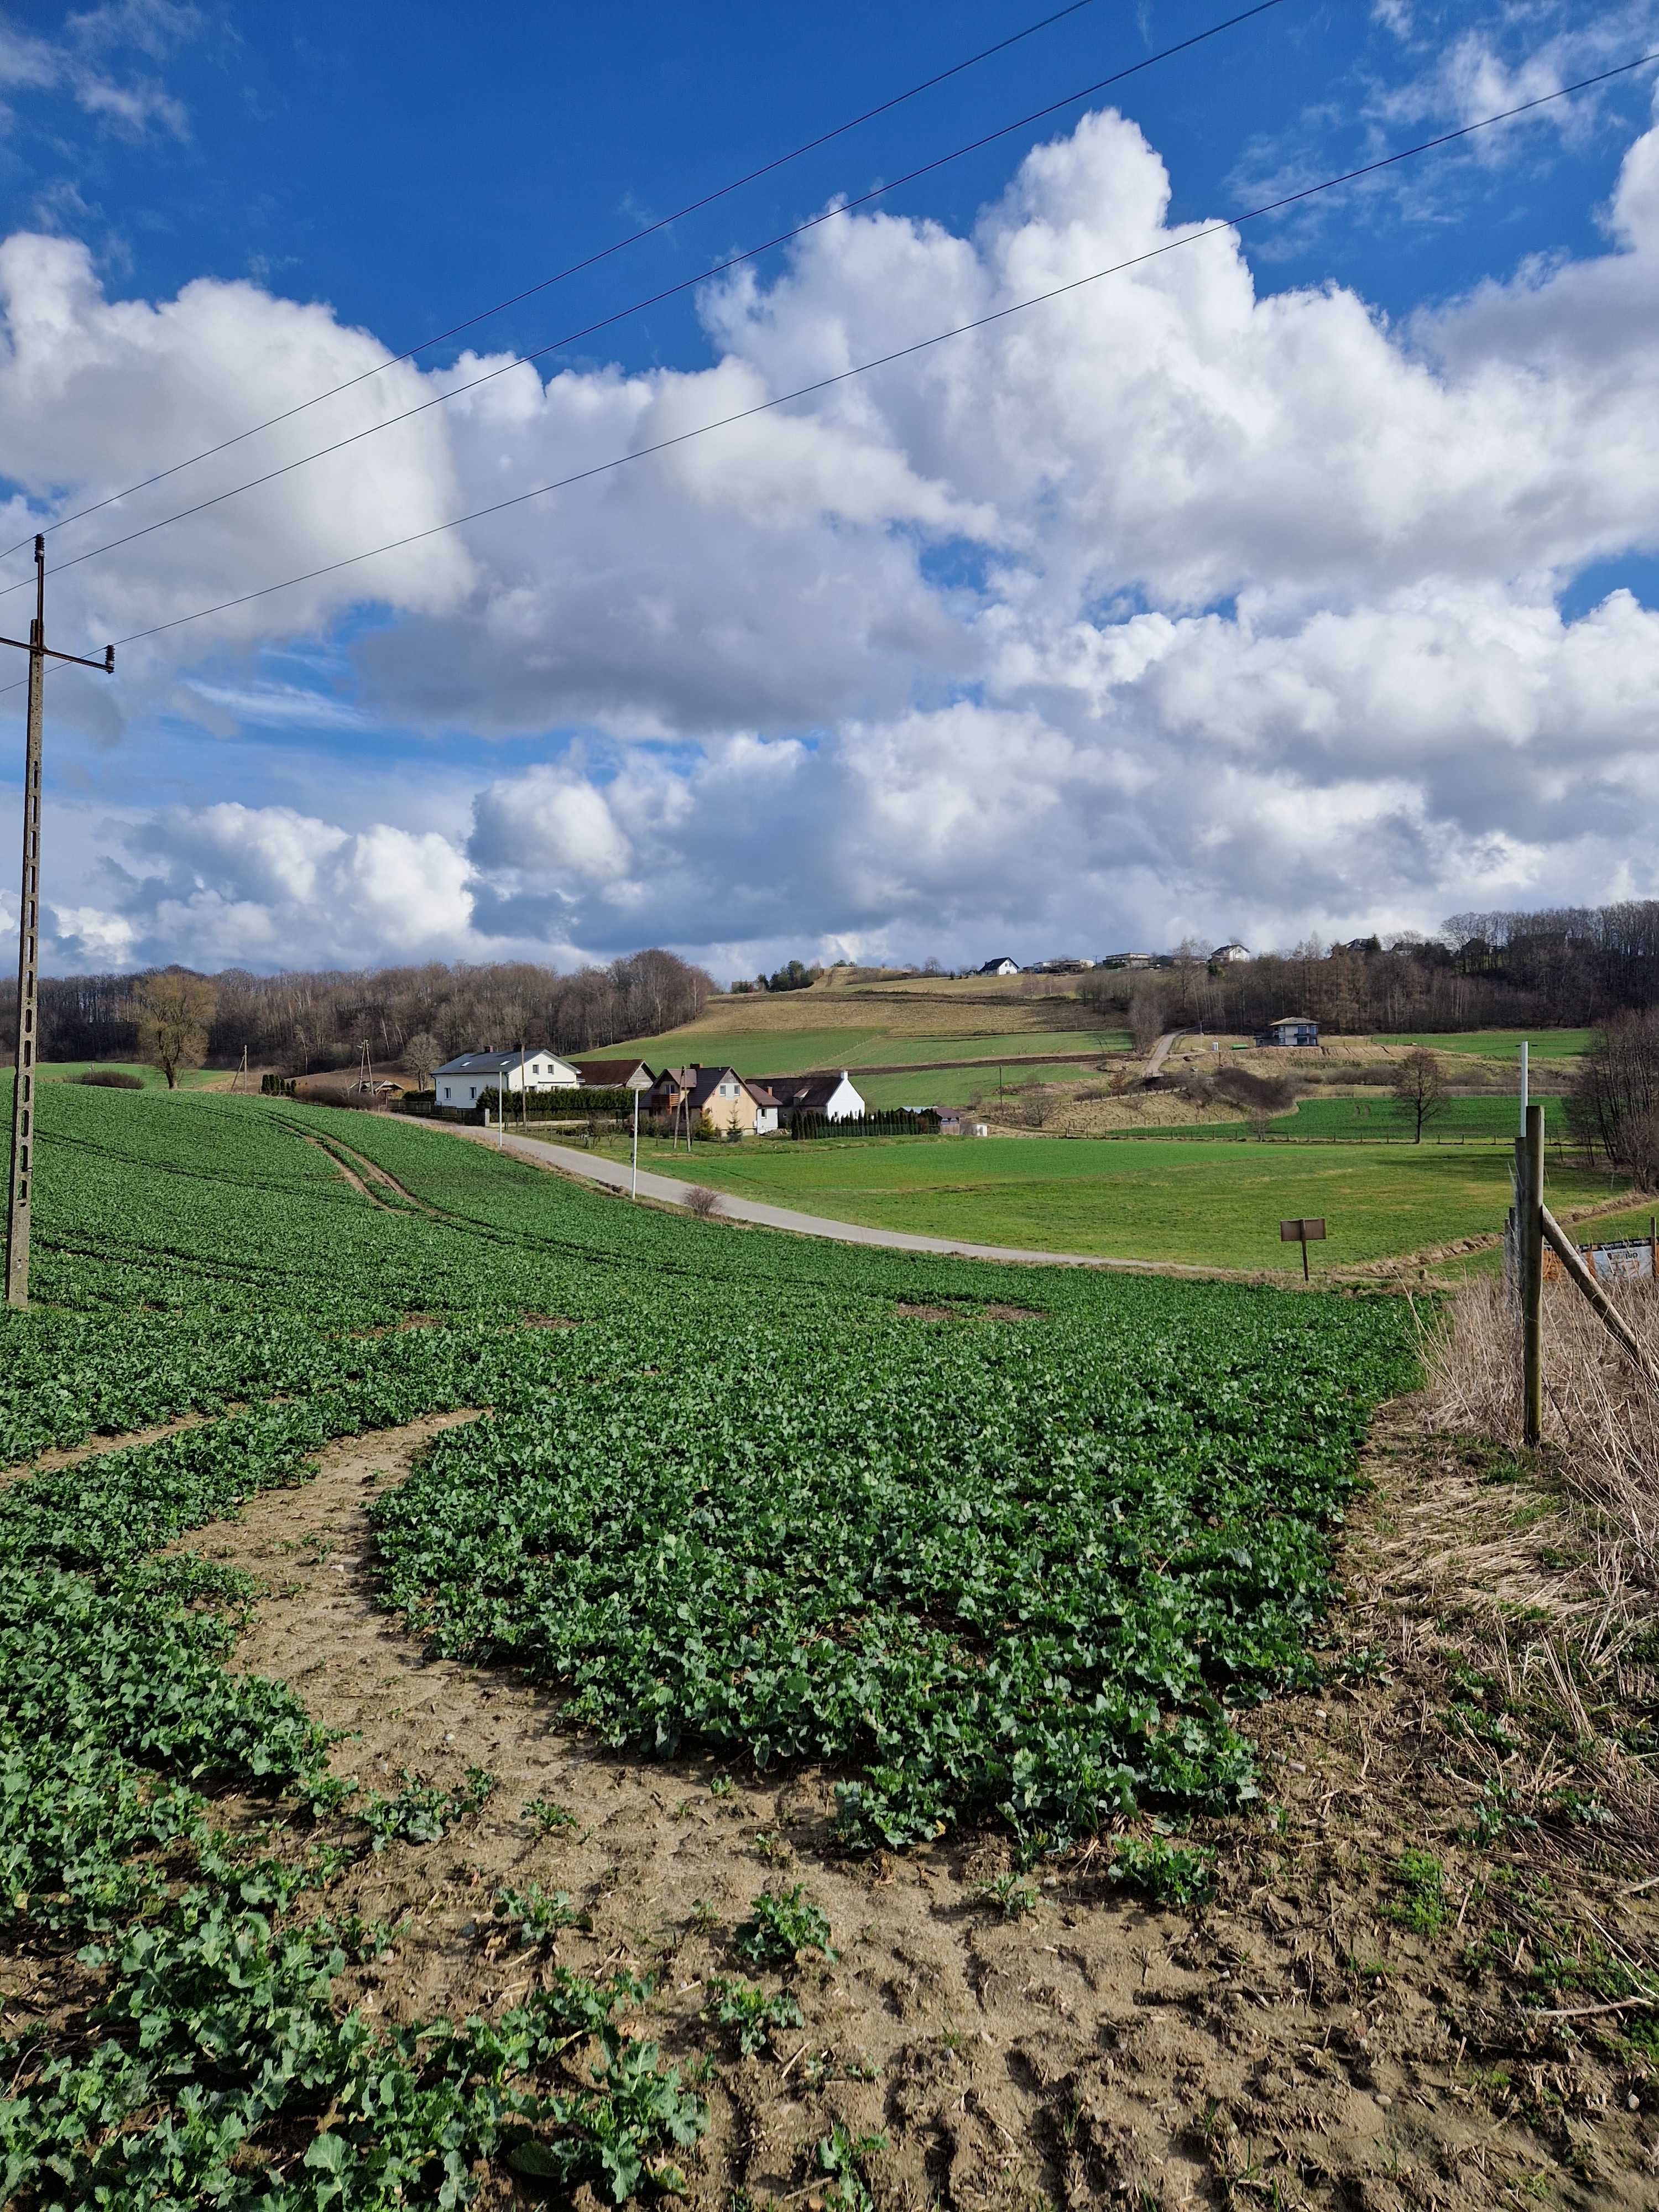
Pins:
x,y
754,2013
1182,1875
782,1923
1013,1895
535,1915
420,1813
843,2157
547,1817
1422,1904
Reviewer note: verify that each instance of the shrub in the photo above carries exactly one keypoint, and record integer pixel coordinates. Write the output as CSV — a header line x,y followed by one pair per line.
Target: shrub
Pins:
x,y
112,1079
1259,1094
701,1201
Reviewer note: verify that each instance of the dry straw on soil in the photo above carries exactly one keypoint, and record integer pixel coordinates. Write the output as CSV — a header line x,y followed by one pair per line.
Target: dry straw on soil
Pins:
x,y
1574,1623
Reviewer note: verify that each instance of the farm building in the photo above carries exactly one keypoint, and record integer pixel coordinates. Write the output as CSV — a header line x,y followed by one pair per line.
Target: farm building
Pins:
x,y
1290,1030
831,1095
958,1121
462,1081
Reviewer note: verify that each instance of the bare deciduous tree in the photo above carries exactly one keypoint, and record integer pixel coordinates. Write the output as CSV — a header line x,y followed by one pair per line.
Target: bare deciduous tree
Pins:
x,y
1421,1088
174,1011
1146,1016
422,1055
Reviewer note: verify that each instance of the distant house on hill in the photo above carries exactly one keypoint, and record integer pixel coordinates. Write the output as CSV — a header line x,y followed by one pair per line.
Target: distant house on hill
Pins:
x,y
1230,954
1290,1030
610,1074
831,1095
475,1076
1002,967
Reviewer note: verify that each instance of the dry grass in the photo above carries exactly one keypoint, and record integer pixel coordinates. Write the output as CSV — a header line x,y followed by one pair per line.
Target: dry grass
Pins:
x,y
1561,1599
1601,1420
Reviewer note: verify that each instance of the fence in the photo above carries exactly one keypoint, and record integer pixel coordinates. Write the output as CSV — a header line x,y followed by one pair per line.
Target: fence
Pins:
x,y
1532,1230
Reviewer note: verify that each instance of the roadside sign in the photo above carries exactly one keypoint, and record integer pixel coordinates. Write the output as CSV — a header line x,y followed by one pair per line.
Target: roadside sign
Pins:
x,y
1306,1231
639,1080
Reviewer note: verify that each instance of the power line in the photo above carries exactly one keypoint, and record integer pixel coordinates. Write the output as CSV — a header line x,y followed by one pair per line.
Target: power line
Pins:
x,y
575,268
669,292
904,353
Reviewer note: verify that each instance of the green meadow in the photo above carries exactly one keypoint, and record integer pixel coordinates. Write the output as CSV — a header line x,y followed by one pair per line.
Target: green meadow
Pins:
x,y
1203,1203
1503,1044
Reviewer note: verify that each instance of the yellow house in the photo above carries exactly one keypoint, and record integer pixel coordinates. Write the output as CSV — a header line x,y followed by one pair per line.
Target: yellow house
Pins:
x,y
726,1101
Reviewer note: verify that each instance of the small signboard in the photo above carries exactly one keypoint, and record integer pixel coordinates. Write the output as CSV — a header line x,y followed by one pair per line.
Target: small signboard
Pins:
x,y
1309,1230
1628,1260
639,1080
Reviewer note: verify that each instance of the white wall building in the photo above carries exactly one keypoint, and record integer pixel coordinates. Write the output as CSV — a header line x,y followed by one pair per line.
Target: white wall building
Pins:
x,y
831,1094
477,1076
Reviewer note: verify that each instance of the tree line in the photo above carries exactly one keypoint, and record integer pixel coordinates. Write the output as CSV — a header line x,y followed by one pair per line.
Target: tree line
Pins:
x,y
1565,966
304,1022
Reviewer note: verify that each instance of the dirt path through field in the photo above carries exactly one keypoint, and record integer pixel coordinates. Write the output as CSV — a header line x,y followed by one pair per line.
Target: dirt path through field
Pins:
x,y
1288,2041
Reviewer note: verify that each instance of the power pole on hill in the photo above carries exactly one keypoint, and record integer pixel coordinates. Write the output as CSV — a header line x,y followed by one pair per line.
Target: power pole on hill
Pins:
x,y
28,940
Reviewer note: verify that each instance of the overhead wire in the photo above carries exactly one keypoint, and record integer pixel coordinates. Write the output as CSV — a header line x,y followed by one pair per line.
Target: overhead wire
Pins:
x,y
1216,229
575,268
685,284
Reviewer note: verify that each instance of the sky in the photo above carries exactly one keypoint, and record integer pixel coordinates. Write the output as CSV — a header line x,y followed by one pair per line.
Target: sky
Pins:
x,y
1300,580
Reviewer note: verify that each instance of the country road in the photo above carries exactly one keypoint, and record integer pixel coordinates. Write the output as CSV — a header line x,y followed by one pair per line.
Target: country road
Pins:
x,y
667,1191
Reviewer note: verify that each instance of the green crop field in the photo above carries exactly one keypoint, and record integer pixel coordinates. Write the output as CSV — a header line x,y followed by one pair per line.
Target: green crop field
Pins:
x,y
1494,1121
190,1079
1011,1565
956,1086
1502,1044
1209,1203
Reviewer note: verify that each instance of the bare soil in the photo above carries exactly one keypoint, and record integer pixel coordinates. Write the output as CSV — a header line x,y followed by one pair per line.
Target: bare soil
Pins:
x,y
1292,2044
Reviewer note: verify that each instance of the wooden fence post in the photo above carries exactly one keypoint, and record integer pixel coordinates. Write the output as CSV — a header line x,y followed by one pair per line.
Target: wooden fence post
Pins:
x,y
1532,1278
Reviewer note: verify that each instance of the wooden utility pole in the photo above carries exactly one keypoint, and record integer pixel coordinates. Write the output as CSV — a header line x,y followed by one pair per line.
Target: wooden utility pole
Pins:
x,y
20,1195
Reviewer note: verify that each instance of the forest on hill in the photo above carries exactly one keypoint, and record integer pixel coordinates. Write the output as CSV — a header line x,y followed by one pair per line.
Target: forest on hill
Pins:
x,y
304,1021
1571,966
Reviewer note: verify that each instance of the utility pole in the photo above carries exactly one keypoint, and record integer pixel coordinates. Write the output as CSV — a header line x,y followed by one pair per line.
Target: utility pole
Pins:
x,y
18,1200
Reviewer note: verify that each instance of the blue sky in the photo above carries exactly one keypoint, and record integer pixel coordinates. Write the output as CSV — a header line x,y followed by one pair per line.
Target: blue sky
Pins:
x,y
837,696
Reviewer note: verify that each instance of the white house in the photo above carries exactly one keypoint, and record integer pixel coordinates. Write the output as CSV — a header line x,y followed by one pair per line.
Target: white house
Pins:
x,y
1003,967
1230,954
483,1075
831,1095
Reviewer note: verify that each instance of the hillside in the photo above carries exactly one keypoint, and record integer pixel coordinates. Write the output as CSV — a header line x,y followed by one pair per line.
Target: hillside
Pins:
x,y
932,1020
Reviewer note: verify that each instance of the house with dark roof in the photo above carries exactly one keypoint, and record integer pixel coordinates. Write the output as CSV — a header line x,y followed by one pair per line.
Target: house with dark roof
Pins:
x,y
1005,966
461,1083
610,1074
717,1096
830,1093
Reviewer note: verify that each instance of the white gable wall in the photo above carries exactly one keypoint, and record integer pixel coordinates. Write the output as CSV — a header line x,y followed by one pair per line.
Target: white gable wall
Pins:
x,y
844,1104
